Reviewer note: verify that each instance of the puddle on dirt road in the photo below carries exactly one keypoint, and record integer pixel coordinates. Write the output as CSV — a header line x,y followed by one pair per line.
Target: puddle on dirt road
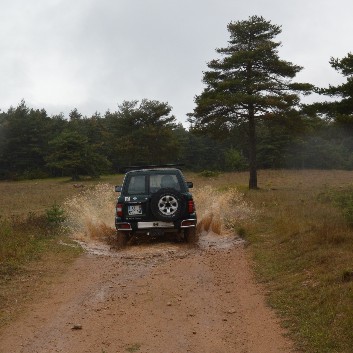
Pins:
x,y
90,221
206,241
134,251
210,240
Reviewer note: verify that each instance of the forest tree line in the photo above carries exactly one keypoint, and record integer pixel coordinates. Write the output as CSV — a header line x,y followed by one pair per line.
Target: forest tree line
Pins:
x,y
35,145
249,116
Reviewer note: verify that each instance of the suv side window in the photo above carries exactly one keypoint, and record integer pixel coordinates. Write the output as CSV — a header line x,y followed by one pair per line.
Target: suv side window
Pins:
x,y
137,185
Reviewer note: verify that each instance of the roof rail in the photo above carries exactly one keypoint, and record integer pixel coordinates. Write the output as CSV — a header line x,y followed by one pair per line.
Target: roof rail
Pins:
x,y
149,166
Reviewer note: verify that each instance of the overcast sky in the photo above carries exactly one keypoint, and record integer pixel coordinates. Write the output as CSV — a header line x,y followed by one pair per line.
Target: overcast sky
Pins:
x,y
94,54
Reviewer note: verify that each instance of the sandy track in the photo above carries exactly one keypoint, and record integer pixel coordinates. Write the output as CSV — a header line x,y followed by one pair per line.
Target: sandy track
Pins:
x,y
158,299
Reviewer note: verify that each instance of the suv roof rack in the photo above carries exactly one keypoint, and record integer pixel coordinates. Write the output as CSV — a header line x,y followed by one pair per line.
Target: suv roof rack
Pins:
x,y
150,166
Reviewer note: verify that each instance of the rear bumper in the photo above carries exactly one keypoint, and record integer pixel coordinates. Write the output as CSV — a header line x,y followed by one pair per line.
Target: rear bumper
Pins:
x,y
167,226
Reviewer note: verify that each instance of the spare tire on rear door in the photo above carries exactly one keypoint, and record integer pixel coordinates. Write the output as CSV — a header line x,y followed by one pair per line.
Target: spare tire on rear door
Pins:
x,y
167,204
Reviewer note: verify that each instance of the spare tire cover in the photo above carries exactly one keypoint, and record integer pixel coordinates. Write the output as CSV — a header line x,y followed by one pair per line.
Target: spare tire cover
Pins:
x,y
167,204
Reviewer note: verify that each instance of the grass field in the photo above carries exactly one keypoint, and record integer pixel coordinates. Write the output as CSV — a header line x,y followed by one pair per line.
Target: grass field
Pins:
x,y
301,242
303,249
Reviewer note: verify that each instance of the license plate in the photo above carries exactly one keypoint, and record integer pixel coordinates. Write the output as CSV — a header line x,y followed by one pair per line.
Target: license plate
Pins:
x,y
134,210
156,224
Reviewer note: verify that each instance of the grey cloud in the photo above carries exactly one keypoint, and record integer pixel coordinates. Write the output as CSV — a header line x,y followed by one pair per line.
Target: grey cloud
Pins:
x,y
92,55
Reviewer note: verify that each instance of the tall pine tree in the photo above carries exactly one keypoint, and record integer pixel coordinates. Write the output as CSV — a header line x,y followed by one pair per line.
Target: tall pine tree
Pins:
x,y
249,83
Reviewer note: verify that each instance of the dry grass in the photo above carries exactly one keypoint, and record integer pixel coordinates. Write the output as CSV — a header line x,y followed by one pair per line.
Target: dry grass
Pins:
x,y
303,249
35,196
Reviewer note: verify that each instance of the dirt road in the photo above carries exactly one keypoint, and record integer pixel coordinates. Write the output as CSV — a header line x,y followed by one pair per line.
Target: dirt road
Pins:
x,y
161,298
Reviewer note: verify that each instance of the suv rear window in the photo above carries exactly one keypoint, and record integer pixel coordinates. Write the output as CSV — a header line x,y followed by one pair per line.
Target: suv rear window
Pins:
x,y
137,185
159,181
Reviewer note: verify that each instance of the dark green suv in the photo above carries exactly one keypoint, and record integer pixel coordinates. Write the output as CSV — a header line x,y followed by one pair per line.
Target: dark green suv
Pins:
x,y
155,201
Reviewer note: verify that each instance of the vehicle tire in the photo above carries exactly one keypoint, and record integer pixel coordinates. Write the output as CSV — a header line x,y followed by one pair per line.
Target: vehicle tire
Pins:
x,y
167,204
191,236
121,238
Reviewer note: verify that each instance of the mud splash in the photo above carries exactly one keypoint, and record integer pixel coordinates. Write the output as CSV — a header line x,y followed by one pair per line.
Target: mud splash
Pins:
x,y
219,212
90,215
90,221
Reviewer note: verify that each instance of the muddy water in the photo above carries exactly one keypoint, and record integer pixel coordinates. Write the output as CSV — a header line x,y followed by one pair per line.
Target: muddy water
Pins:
x,y
90,221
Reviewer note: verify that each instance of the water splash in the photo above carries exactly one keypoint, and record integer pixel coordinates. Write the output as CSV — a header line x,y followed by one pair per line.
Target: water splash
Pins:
x,y
220,211
90,215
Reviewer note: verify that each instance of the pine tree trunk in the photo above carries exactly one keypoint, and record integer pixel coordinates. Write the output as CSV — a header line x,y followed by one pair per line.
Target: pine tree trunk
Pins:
x,y
252,150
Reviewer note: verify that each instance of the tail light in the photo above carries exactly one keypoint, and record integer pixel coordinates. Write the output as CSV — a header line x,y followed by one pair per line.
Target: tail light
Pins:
x,y
119,210
191,206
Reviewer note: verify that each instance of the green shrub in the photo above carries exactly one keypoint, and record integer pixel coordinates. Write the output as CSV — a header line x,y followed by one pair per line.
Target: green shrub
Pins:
x,y
55,215
235,161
